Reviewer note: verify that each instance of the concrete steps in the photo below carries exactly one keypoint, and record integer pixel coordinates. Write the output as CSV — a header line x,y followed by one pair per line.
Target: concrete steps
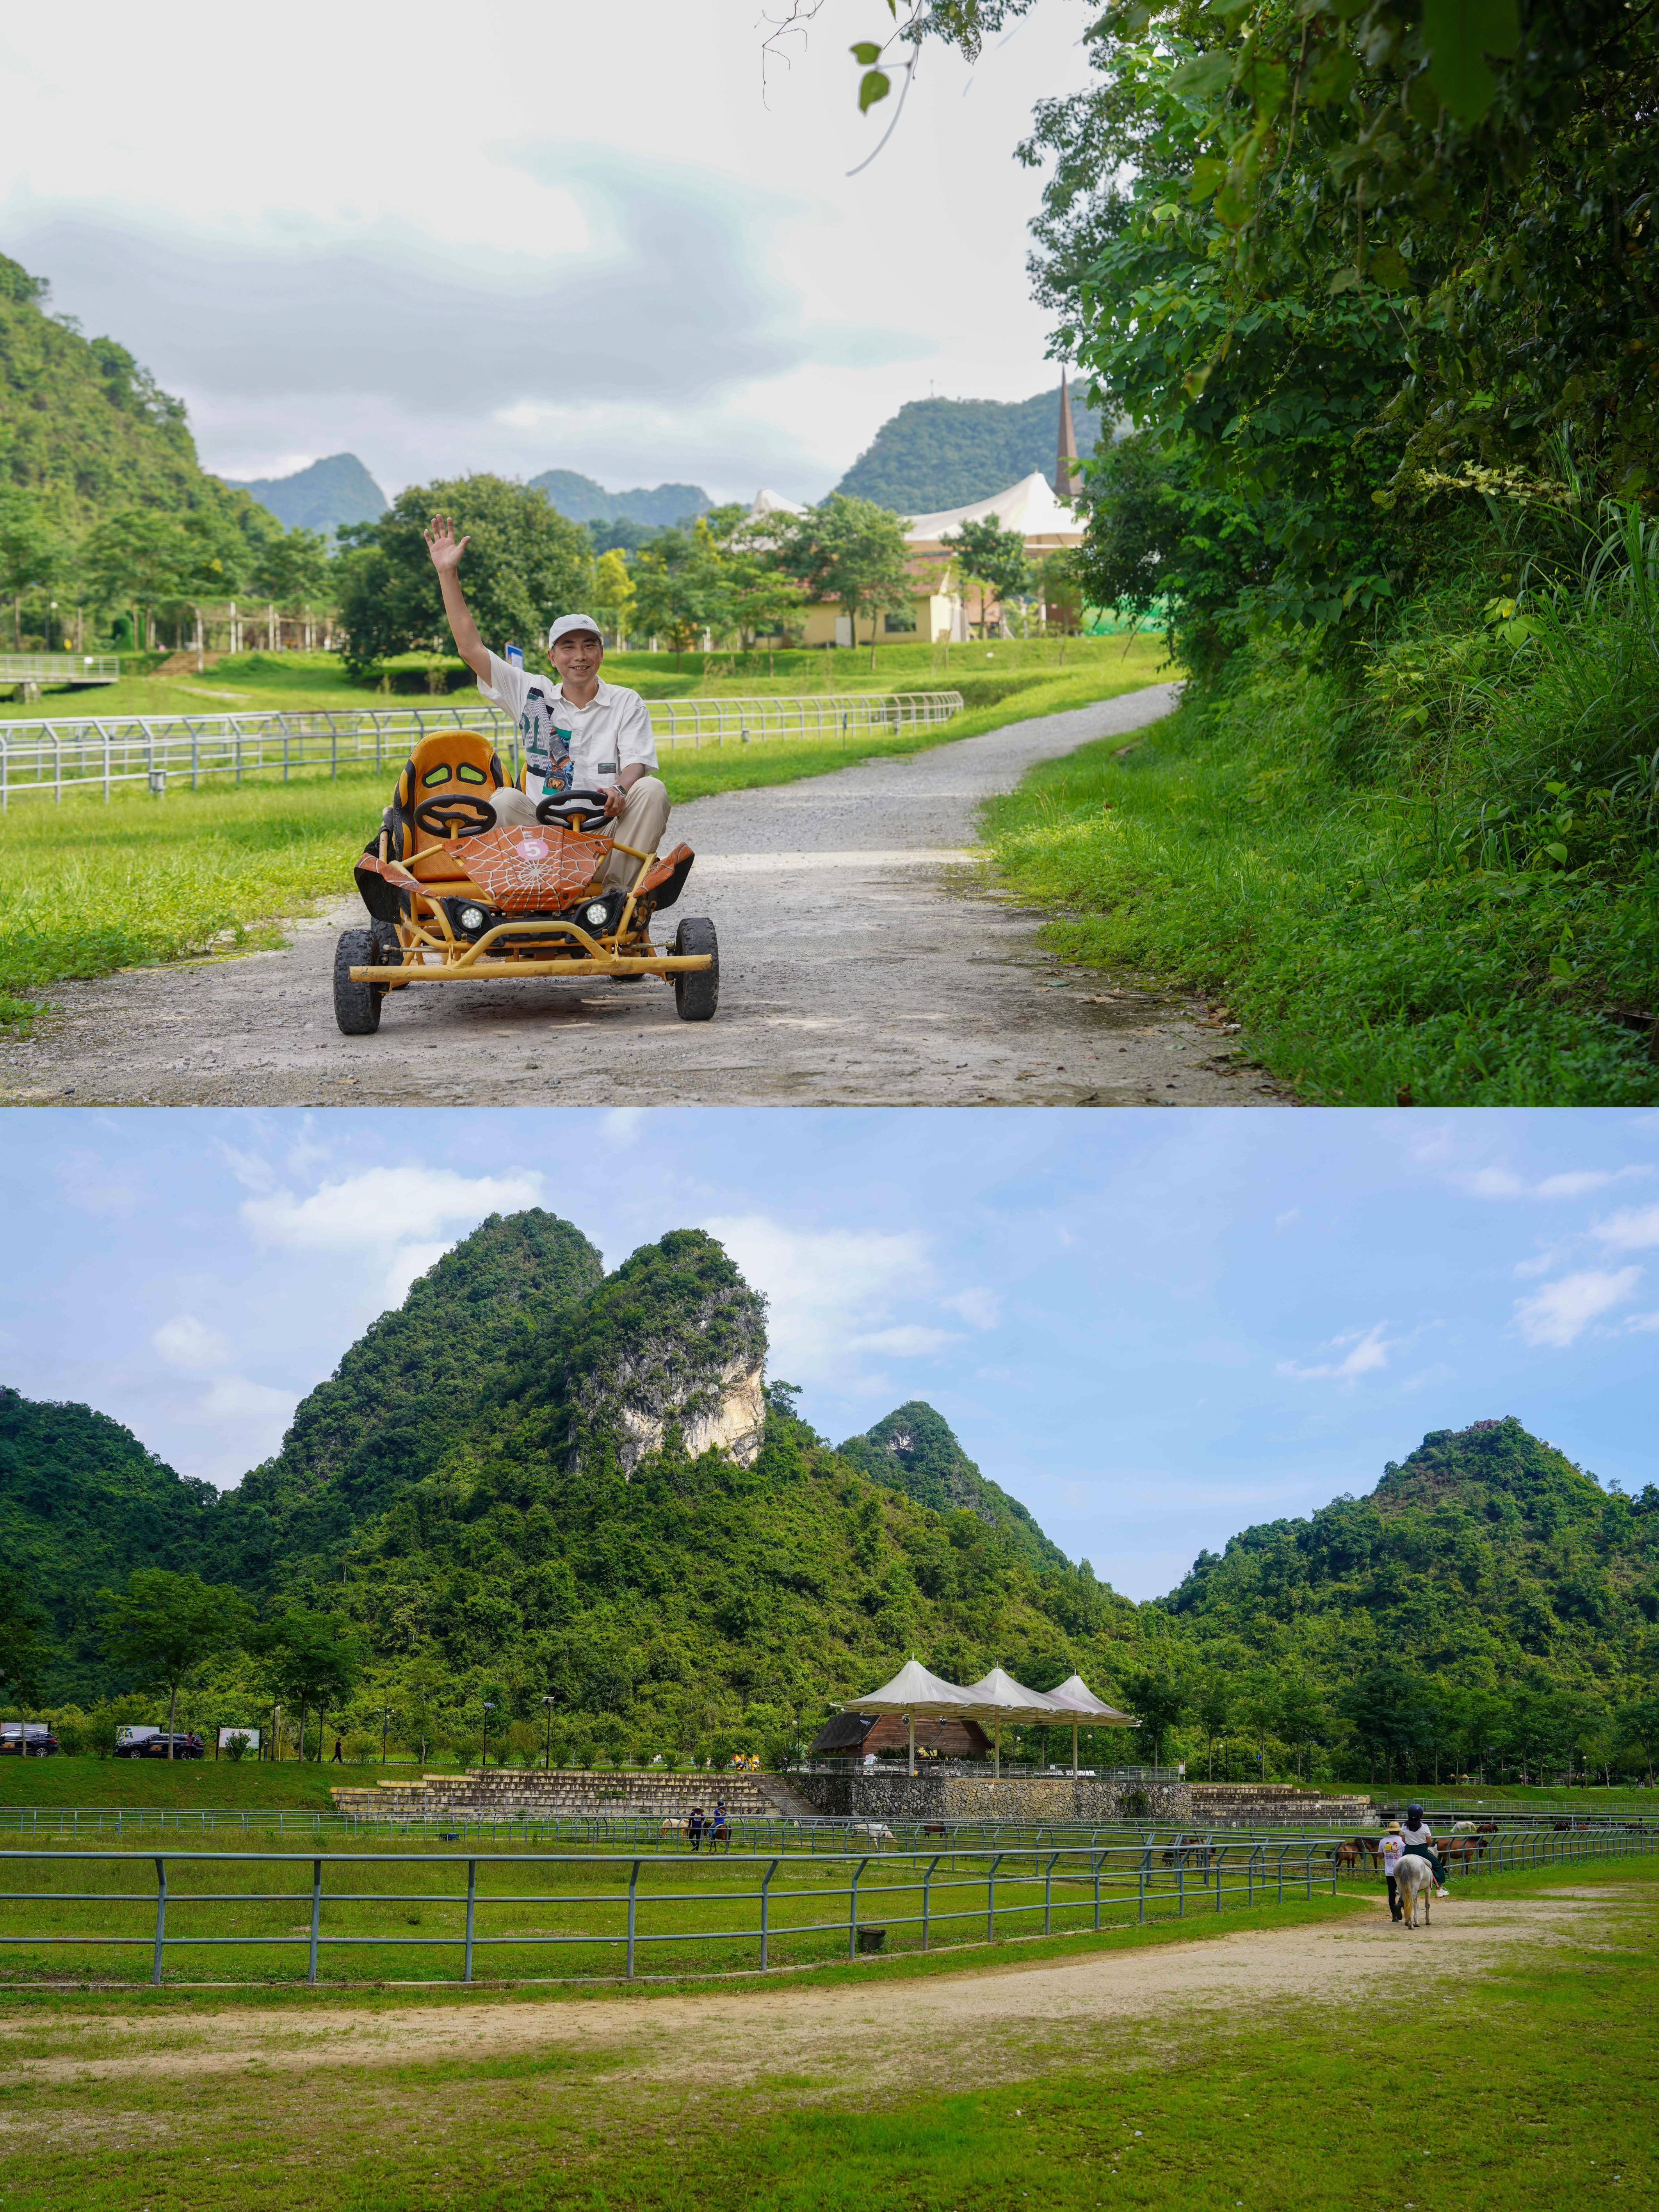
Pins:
x,y
505,1794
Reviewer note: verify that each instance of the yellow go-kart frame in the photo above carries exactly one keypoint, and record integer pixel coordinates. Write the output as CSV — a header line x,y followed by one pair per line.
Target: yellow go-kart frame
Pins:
x,y
431,923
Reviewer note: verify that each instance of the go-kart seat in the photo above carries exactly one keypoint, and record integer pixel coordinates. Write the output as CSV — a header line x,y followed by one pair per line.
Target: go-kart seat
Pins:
x,y
442,798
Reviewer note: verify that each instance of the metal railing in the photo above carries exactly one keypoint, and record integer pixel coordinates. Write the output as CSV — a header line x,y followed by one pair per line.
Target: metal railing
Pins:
x,y
59,668
88,754
1002,1889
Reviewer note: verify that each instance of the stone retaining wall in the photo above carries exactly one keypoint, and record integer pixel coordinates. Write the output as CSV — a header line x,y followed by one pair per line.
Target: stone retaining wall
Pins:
x,y
1266,1803
505,1794
1027,1797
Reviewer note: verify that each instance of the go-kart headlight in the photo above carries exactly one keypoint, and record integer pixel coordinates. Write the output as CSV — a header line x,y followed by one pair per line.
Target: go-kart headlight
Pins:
x,y
471,917
597,915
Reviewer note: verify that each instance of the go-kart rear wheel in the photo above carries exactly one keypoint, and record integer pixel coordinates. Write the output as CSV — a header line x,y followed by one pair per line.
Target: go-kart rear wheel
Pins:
x,y
356,1005
697,990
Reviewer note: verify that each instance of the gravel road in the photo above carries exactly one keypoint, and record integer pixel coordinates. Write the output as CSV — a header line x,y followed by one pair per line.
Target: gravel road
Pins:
x,y
865,961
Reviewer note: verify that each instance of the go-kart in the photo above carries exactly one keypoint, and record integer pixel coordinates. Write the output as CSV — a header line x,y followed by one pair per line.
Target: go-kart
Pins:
x,y
455,896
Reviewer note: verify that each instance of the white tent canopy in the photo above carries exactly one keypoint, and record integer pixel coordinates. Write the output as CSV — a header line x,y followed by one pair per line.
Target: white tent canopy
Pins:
x,y
1028,507
913,1691
995,1697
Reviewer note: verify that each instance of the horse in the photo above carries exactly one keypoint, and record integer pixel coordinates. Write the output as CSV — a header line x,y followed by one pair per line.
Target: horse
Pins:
x,y
1414,1878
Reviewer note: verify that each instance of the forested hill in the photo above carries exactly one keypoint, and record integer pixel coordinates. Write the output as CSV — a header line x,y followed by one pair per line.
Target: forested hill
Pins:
x,y
916,1450
406,1393
936,453
332,492
83,427
1487,1555
581,499
82,1504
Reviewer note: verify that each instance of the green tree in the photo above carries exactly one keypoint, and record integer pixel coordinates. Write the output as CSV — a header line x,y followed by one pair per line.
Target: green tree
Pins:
x,y
139,558
31,554
852,552
524,564
309,1659
293,568
994,559
613,593
1158,1698
680,584
164,1626
25,1649
1212,1709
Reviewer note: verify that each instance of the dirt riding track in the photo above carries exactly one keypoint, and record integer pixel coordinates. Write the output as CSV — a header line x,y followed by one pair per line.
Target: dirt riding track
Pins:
x,y
864,963
979,2023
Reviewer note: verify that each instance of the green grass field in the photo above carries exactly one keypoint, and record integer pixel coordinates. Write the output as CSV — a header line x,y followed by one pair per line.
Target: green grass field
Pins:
x,y
1524,2081
1368,967
87,887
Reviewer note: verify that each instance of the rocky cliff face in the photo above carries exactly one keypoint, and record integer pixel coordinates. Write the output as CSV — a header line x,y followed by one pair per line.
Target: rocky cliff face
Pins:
x,y
674,1341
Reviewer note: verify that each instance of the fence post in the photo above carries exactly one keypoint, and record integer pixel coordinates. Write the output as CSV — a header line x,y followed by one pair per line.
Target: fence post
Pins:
x,y
1097,1860
472,1905
853,1911
316,1915
765,1901
991,1898
633,1903
1048,1889
927,1896
160,1920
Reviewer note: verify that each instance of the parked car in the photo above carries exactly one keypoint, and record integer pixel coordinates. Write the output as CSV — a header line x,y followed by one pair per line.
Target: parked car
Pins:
x,y
152,1743
26,1739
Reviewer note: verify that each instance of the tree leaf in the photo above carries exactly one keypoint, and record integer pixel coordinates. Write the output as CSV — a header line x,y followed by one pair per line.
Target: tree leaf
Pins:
x,y
1387,269
867,52
1459,35
1203,76
874,85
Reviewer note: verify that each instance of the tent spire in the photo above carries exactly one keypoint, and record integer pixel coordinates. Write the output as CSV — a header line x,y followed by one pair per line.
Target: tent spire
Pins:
x,y
1068,477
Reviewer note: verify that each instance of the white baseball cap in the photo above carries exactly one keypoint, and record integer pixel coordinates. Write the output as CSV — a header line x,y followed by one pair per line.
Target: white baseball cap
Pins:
x,y
567,623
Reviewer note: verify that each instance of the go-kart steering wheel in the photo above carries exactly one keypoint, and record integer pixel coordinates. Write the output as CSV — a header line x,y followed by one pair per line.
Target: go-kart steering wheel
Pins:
x,y
582,810
457,813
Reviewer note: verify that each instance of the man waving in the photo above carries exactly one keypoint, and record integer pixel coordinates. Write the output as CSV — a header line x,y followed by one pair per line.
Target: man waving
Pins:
x,y
583,735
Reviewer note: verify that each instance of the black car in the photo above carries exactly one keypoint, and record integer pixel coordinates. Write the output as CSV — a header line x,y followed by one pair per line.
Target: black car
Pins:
x,y
27,1739
156,1746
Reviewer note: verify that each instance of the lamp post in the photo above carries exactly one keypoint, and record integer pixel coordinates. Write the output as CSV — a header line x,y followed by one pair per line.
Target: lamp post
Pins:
x,y
385,1724
488,1708
547,1748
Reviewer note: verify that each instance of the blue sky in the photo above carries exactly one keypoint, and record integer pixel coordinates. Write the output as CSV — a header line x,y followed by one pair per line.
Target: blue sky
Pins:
x,y
634,249
1154,1328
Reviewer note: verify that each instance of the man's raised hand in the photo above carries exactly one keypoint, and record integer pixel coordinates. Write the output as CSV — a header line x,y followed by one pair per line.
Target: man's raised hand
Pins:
x,y
444,546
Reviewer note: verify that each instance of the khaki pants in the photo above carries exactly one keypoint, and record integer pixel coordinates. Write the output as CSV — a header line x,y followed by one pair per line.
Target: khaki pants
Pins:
x,y
641,823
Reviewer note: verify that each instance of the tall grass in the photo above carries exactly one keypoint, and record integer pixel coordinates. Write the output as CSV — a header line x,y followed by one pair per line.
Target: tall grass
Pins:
x,y
1438,884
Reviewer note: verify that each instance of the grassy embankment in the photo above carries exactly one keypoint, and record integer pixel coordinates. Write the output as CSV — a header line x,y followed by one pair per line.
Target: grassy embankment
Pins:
x,y
87,888
1441,889
1528,2081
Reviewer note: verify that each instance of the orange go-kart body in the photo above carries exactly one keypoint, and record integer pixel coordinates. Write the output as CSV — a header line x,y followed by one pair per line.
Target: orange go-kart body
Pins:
x,y
453,897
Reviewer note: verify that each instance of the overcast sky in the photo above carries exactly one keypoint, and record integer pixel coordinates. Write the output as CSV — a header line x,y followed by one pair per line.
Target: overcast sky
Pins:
x,y
1154,1328
524,235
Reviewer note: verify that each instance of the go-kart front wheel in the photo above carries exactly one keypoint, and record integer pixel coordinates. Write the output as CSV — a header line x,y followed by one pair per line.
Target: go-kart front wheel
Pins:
x,y
356,1005
697,990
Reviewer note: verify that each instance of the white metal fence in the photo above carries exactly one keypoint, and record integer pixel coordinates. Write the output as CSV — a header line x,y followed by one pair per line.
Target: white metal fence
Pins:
x,y
92,753
59,668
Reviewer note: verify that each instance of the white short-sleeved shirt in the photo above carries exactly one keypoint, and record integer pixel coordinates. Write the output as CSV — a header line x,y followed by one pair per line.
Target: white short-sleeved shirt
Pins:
x,y
567,747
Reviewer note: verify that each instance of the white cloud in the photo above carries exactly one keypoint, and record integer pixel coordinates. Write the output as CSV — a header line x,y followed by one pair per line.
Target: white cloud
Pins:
x,y
1367,1353
190,1344
979,1308
1635,1230
910,1341
406,1266
1559,1314
832,1292
1286,1220
231,1398
1572,1182
1642,1324
383,1208
623,1124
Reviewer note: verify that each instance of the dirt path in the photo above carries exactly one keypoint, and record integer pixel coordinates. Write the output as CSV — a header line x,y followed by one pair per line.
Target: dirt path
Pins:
x,y
888,2031
863,962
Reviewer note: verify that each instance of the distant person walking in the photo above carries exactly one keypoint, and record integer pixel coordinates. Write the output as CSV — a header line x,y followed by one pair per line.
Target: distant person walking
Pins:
x,y
339,1759
693,1828
1393,1849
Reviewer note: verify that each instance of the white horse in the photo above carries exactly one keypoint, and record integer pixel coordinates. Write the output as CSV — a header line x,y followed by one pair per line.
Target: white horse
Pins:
x,y
1414,1878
